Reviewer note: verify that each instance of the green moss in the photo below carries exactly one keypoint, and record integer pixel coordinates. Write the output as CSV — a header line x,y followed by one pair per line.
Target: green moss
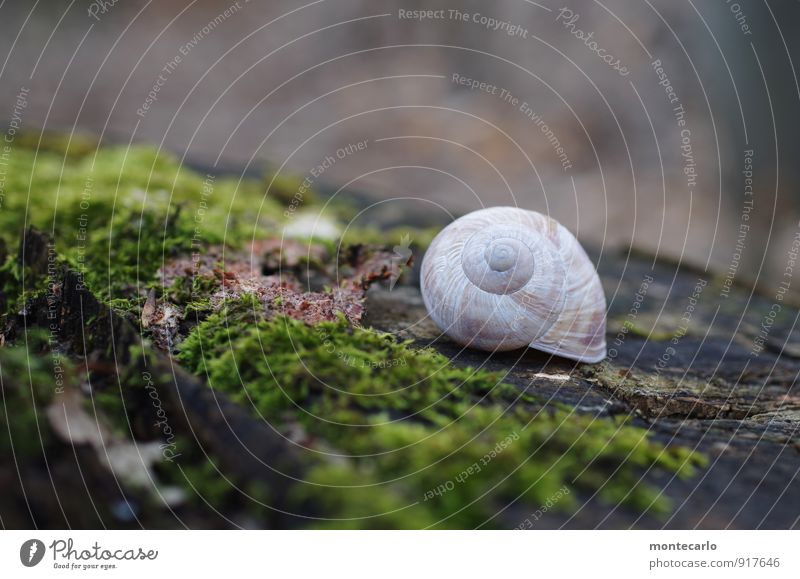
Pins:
x,y
29,378
287,190
351,498
14,294
419,238
410,422
201,477
655,329
117,212
73,146
10,288
193,289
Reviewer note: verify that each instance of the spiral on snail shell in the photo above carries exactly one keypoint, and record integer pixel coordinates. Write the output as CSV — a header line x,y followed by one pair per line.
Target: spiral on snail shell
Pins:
x,y
505,278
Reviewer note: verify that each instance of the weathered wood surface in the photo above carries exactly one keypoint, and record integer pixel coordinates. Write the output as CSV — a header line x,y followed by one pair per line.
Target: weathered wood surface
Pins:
x,y
699,383
703,382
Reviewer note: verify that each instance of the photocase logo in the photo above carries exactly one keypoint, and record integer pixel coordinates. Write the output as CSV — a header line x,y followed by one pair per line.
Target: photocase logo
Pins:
x,y
402,257
31,552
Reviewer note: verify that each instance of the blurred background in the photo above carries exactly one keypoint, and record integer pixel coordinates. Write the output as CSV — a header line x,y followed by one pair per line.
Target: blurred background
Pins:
x,y
633,123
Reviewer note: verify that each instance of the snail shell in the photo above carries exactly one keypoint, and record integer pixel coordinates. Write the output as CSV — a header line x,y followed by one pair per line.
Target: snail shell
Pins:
x,y
504,278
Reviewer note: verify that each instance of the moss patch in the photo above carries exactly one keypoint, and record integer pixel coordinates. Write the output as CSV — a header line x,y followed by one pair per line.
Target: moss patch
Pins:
x,y
116,213
413,426
27,384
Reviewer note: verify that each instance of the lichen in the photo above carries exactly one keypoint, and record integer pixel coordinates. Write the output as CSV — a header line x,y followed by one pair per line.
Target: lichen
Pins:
x,y
660,394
